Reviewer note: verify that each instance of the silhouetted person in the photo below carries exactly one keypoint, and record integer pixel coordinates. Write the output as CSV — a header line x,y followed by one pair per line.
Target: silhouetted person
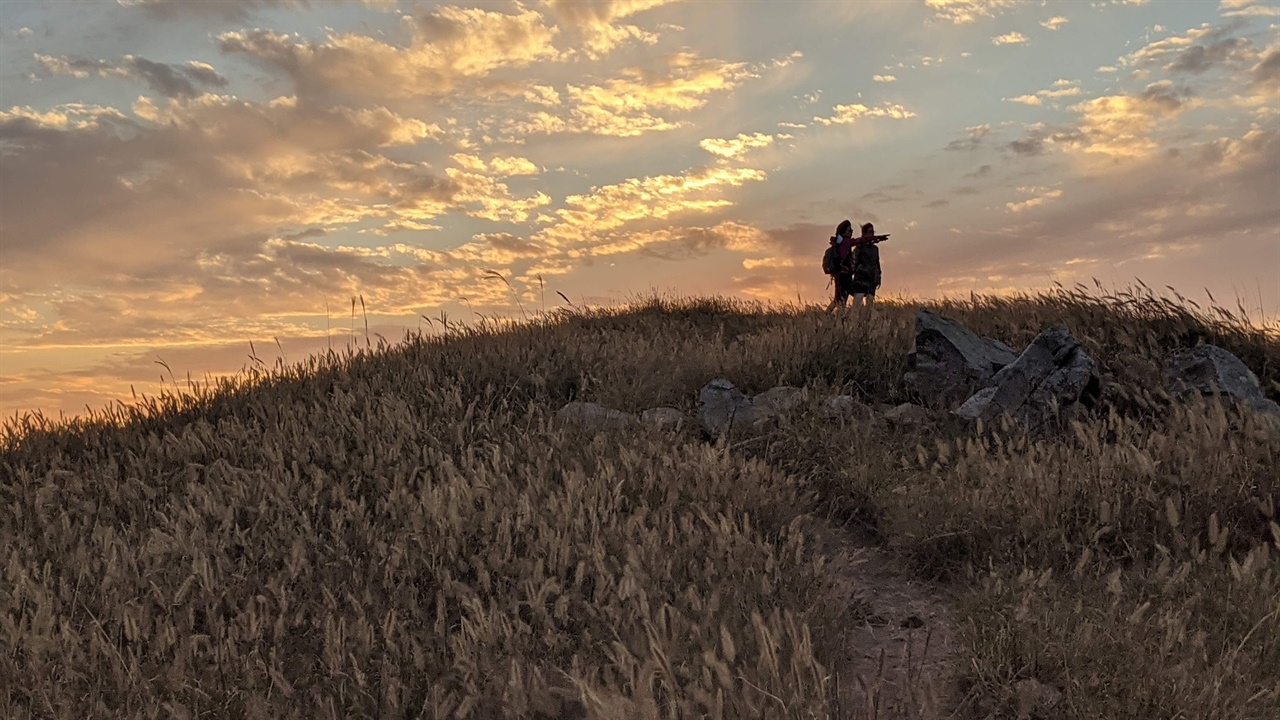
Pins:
x,y
838,263
865,274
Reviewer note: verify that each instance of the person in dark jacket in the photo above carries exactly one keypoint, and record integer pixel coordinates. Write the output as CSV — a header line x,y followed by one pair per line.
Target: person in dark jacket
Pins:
x,y
865,276
842,258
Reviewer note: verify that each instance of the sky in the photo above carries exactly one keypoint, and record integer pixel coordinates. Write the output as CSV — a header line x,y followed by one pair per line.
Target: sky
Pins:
x,y
181,178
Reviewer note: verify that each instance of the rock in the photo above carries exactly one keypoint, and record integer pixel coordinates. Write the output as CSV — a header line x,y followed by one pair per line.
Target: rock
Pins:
x,y
594,416
949,363
973,408
663,418
1035,699
1054,374
908,415
1210,370
722,407
780,400
845,406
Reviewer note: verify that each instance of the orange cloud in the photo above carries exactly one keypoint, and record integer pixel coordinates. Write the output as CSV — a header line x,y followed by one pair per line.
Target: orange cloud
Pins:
x,y
736,147
658,197
1122,125
1041,196
634,103
597,22
966,11
848,114
449,46
1013,38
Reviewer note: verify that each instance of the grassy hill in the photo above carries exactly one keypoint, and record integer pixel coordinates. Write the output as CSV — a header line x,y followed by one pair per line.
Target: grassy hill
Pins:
x,y
407,532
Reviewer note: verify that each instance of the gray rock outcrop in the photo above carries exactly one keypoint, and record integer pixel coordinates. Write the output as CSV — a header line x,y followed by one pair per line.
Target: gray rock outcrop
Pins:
x,y
1054,375
846,407
908,415
1212,371
594,416
949,362
782,399
723,407
663,418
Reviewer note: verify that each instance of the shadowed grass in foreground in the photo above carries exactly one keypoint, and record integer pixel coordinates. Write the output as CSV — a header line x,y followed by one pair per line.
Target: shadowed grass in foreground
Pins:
x,y
404,533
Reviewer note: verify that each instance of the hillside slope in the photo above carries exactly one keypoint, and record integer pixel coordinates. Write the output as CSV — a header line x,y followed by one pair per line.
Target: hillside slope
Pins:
x,y
409,533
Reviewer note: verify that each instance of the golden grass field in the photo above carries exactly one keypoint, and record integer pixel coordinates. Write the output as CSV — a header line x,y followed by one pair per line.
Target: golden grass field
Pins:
x,y
406,531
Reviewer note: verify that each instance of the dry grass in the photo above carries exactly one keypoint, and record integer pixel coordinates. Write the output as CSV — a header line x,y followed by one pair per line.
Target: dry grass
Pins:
x,y
402,532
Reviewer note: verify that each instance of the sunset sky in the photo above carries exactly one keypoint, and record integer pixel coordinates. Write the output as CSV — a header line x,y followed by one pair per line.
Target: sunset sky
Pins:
x,y
181,177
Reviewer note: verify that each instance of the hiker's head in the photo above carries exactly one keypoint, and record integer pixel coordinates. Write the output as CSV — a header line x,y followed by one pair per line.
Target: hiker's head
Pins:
x,y
868,229
844,229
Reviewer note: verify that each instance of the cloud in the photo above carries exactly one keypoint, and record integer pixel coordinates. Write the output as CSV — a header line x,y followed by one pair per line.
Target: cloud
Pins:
x,y
637,100
481,196
1112,126
622,106
1055,22
1215,194
976,136
596,22
1248,8
448,47
188,80
1197,51
849,114
966,11
1121,125
1266,74
1041,195
1060,89
498,166
208,176
586,217
736,147
228,9
1012,38
1040,137
884,78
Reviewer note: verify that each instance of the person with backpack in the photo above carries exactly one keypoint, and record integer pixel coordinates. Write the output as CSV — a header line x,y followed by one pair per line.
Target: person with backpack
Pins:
x,y
837,262
865,274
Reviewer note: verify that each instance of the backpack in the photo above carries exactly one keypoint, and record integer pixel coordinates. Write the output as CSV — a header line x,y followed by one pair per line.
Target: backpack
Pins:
x,y
831,260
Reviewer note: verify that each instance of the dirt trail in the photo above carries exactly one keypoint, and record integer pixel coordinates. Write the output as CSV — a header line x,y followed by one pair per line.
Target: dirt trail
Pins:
x,y
899,661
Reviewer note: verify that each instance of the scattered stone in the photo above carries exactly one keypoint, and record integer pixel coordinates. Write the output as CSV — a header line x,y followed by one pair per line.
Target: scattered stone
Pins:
x,y
1035,699
594,416
1052,376
949,362
845,406
663,418
909,415
722,407
1212,371
780,400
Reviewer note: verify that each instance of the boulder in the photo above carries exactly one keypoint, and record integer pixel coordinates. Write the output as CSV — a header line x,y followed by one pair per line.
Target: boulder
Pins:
x,y
949,362
908,415
1054,374
1210,370
722,407
845,406
663,418
594,416
780,400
